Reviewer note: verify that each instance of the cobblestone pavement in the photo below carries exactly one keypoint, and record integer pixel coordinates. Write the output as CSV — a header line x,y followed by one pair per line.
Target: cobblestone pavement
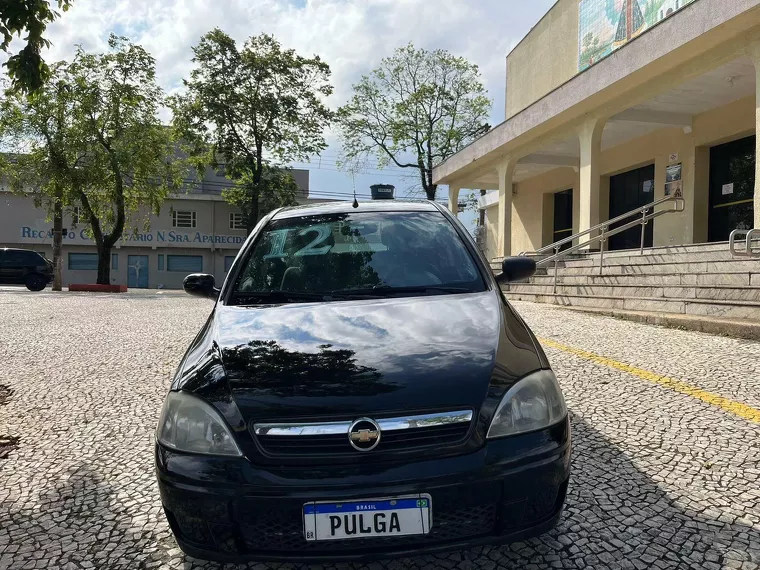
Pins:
x,y
660,479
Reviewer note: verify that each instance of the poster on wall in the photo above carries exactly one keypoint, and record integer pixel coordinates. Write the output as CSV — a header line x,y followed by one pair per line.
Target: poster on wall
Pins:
x,y
606,25
673,181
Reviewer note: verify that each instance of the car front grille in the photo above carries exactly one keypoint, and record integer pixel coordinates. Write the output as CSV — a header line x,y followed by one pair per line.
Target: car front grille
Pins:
x,y
456,515
274,527
331,439
332,445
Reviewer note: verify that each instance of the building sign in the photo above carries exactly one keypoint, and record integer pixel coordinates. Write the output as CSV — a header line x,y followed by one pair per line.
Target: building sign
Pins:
x,y
606,25
160,238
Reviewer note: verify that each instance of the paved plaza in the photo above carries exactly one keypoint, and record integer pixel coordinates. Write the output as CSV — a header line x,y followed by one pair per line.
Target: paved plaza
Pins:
x,y
666,437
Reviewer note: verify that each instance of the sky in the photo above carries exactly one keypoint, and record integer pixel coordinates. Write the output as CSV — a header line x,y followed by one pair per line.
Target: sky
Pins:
x,y
352,36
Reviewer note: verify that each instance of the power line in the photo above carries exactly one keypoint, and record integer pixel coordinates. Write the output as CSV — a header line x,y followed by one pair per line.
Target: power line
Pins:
x,y
366,173
194,184
335,162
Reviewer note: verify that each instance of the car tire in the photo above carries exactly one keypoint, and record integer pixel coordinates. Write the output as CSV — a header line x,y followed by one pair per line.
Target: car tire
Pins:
x,y
35,282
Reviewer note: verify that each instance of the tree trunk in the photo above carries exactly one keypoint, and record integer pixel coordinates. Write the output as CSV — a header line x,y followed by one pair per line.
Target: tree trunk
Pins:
x,y
255,190
253,217
57,240
427,181
104,264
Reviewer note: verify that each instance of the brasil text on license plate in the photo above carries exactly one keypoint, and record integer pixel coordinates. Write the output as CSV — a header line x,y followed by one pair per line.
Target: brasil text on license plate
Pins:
x,y
395,516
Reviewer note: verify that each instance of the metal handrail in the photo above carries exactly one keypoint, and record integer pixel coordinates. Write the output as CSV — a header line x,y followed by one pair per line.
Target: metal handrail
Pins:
x,y
597,227
750,236
646,214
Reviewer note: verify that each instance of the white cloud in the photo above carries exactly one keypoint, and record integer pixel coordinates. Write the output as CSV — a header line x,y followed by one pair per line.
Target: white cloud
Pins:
x,y
351,35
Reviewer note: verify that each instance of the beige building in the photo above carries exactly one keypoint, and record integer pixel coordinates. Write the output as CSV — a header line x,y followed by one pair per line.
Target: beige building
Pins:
x,y
196,232
611,106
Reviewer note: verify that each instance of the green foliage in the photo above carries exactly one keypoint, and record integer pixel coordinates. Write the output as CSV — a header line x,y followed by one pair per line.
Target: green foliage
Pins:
x,y
249,107
415,110
45,154
27,69
277,188
117,102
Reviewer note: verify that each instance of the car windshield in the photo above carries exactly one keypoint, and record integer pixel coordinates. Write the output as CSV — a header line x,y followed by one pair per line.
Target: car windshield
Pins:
x,y
342,256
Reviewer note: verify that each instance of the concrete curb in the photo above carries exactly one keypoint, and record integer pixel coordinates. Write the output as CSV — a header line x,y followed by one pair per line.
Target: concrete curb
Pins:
x,y
743,329
92,288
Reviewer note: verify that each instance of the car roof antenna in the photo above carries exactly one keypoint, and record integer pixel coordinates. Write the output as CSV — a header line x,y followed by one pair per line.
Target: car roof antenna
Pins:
x,y
353,182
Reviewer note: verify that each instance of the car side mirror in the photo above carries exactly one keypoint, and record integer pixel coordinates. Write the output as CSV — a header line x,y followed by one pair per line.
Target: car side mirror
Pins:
x,y
201,285
516,269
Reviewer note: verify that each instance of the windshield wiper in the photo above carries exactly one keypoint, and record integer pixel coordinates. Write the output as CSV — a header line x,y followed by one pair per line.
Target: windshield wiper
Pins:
x,y
277,296
385,290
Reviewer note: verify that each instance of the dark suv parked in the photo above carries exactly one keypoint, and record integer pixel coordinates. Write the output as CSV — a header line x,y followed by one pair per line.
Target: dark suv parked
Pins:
x,y
25,267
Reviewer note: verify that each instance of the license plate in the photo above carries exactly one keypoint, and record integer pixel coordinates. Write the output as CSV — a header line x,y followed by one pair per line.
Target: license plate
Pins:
x,y
394,516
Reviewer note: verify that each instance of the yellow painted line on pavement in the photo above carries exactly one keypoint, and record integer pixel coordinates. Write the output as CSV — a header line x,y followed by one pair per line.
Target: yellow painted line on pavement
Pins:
x,y
730,406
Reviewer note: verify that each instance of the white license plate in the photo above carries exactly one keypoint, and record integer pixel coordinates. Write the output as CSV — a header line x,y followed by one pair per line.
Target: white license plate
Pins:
x,y
394,516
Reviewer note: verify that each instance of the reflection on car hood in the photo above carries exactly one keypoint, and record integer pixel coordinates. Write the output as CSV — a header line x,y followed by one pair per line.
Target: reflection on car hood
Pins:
x,y
368,357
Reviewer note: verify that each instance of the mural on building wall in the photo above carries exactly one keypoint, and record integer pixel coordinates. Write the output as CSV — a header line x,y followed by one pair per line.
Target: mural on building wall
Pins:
x,y
606,25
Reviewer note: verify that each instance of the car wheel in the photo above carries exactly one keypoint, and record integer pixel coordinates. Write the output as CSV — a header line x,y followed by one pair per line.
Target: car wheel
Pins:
x,y
35,282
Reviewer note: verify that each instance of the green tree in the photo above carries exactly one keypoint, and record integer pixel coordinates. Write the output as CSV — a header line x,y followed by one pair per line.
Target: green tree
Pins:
x,y
92,136
415,110
46,155
251,107
27,69
130,154
281,190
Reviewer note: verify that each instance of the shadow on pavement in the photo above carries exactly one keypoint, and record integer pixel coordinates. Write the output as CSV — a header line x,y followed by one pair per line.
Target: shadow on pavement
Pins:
x,y
78,521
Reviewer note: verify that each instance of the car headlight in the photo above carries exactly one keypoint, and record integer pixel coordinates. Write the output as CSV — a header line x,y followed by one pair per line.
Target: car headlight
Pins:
x,y
533,403
189,424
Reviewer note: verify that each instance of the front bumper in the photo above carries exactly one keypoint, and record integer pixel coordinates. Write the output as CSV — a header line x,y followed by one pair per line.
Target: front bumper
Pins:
x,y
230,511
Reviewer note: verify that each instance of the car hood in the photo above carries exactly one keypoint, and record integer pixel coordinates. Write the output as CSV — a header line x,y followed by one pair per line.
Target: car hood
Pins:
x,y
369,357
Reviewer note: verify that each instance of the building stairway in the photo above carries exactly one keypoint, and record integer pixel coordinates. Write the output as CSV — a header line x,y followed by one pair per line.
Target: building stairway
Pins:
x,y
679,285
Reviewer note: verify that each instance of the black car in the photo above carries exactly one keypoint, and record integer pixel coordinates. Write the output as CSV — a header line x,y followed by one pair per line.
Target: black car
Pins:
x,y
25,267
361,389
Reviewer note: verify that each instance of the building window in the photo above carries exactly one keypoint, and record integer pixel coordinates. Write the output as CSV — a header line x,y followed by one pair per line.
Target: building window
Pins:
x,y
184,263
76,215
115,261
228,259
236,221
183,219
160,262
83,261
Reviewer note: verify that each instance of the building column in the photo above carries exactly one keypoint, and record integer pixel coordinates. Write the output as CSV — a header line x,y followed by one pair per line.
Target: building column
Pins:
x,y
753,51
454,199
506,172
590,135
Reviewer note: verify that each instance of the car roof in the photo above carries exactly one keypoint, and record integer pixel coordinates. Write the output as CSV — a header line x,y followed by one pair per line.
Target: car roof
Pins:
x,y
16,249
347,208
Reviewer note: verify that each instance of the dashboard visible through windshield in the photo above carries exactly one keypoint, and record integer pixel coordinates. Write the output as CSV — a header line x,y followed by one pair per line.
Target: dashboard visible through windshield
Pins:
x,y
352,255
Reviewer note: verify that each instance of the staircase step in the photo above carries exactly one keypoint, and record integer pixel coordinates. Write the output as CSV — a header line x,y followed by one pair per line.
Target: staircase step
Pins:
x,y
719,293
662,279
738,328
715,267
637,259
706,307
